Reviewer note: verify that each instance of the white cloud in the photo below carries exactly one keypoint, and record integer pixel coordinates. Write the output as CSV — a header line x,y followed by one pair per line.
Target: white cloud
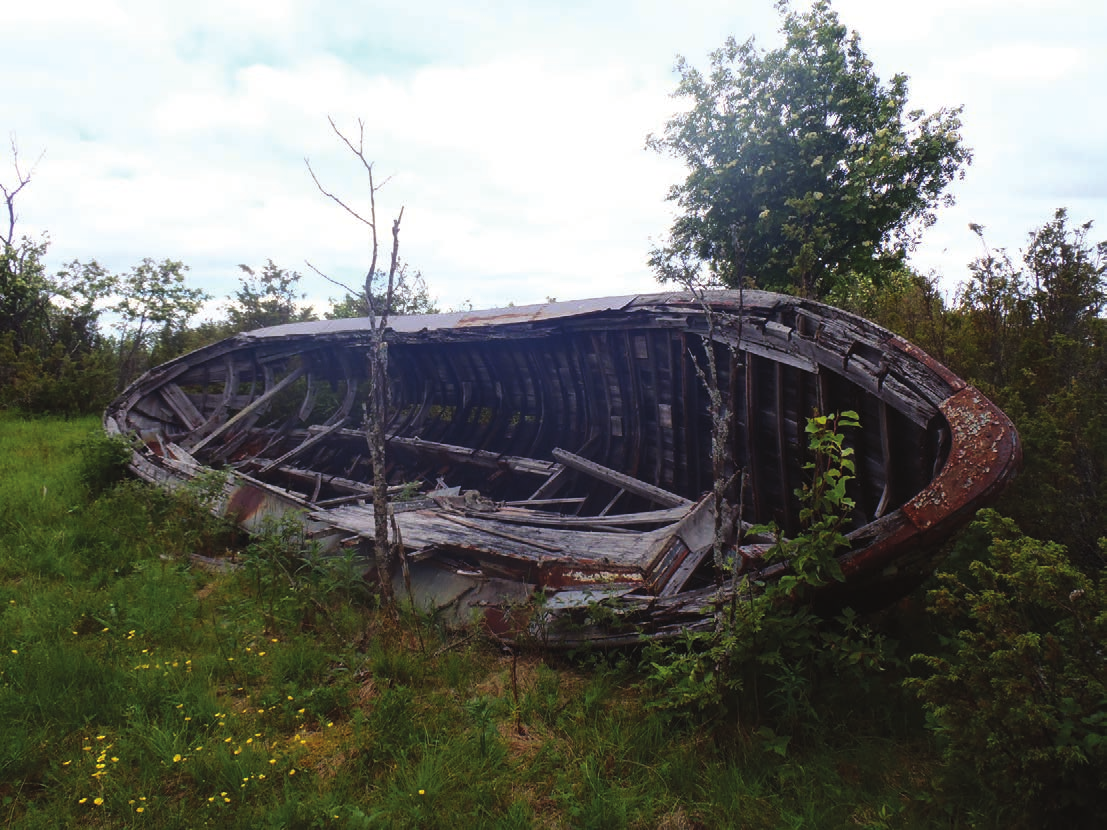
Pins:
x,y
513,132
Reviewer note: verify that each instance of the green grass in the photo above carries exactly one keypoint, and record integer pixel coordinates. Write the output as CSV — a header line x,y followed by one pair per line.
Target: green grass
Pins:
x,y
139,690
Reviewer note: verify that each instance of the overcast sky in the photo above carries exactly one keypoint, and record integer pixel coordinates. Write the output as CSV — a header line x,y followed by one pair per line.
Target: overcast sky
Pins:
x,y
513,132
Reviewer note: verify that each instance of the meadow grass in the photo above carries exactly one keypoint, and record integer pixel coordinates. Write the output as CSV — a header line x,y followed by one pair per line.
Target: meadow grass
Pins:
x,y
140,690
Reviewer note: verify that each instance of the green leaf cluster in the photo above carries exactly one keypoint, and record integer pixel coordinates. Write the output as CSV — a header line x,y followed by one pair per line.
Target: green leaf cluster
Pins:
x,y
803,166
1019,696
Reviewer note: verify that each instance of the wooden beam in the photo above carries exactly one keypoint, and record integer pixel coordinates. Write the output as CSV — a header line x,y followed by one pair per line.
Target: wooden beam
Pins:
x,y
482,458
306,444
621,480
182,405
259,402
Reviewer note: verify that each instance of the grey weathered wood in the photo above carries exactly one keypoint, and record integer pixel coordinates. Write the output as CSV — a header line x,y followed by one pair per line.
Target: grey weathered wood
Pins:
x,y
621,480
545,519
552,484
304,446
181,404
482,458
259,402
514,537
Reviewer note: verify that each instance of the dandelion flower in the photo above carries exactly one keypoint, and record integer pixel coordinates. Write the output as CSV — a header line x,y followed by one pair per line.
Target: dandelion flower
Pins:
x,y
98,801
176,758
422,792
15,651
292,772
139,809
82,801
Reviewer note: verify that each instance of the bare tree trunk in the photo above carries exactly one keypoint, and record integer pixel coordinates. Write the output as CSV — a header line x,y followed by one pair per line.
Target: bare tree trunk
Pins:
x,y
378,404
377,413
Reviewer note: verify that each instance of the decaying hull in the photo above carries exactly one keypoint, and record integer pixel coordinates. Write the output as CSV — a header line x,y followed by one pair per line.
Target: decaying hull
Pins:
x,y
564,449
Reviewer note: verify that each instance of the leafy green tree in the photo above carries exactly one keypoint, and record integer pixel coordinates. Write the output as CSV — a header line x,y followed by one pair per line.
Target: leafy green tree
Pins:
x,y
153,300
802,166
24,287
267,299
53,356
772,662
1031,334
1068,277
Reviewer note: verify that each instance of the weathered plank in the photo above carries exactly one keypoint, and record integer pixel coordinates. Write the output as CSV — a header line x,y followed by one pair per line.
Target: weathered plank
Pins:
x,y
621,480
259,402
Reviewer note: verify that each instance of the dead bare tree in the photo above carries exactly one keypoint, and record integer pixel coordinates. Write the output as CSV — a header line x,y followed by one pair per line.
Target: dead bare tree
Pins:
x,y
728,516
379,303
22,179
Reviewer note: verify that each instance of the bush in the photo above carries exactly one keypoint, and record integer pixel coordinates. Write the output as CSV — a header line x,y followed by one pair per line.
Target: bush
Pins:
x,y
102,461
1020,701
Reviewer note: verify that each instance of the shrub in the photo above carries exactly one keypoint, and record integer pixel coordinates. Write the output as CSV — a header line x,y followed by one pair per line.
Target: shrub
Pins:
x,y
1020,700
102,461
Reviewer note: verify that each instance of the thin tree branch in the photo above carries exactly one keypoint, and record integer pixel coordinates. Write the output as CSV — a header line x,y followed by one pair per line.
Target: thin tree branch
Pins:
x,y
342,285
338,201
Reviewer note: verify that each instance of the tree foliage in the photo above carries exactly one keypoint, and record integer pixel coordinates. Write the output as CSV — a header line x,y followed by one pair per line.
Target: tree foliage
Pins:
x,y
774,663
268,298
802,166
1032,336
1020,700
153,300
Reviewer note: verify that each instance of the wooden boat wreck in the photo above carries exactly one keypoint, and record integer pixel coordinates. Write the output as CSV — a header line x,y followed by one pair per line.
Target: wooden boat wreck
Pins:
x,y
556,458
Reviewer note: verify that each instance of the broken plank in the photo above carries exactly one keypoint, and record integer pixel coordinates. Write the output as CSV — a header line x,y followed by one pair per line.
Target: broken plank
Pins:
x,y
483,458
545,519
621,480
483,528
182,405
303,446
261,401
